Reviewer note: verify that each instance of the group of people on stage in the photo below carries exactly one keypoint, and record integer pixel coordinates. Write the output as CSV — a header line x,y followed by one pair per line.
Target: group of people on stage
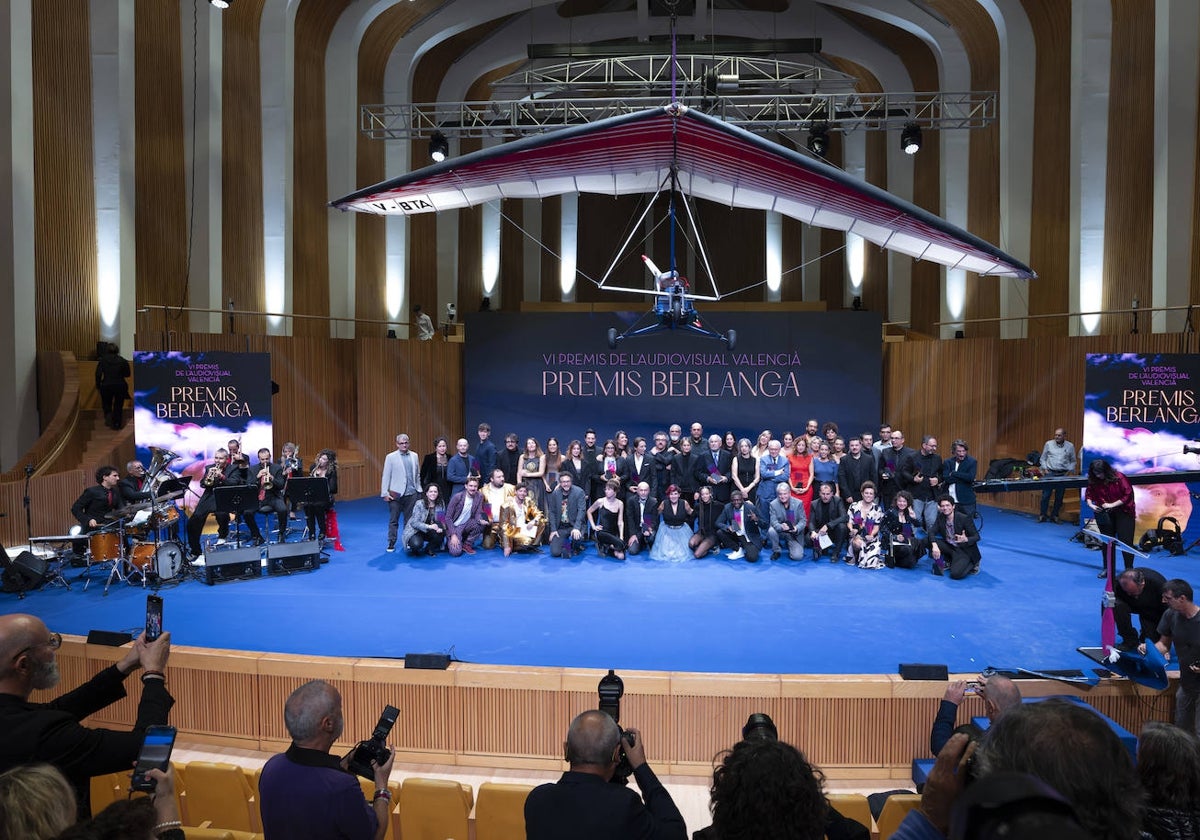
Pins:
x,y
676,496
98,506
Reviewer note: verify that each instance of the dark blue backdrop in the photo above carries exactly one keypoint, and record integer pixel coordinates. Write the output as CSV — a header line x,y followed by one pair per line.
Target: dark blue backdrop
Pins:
x,y
543,374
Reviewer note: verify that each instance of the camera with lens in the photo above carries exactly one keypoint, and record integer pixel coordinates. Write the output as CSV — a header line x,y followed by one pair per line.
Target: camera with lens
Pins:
x,y
375,749
610,689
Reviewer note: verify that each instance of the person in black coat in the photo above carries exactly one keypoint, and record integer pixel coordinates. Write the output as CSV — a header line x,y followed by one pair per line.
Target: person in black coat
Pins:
x,y
714,467
95,503
954,542
52,732
111,372
585,805
1139,592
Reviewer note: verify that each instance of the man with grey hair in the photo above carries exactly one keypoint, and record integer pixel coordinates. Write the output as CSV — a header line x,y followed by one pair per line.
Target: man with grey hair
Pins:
x,y
583,805
401,484
52,732
308,793
998,692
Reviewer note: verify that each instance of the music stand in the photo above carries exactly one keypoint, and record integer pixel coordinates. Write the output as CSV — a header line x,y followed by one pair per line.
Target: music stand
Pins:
x,y
310,491
239,500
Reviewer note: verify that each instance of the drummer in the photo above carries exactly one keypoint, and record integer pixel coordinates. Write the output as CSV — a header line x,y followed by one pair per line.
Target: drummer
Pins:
x,y
96,502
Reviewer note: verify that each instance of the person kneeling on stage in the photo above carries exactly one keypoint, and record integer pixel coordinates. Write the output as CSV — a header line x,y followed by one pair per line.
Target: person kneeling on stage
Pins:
x,y
568,507
324,467
954,542
465,522
829,519
521,523
739,529
497,495
96,502
902,534
425,526
270,479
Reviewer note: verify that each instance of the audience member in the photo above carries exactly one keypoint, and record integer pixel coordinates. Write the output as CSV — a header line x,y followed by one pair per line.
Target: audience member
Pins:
x,y
155,817
36,803
1168,764
998,692
52,732
308,793
583,805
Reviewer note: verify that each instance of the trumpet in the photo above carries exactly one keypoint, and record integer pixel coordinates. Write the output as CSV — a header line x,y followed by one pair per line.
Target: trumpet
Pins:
x,y
265,480
212,476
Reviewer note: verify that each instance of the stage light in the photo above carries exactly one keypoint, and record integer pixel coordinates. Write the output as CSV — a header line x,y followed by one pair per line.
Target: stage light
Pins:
x,y
818,139
220,4
910,139
439,147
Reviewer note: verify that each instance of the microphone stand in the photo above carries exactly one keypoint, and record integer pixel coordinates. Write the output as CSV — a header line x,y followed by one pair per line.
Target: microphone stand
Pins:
x,y
28,515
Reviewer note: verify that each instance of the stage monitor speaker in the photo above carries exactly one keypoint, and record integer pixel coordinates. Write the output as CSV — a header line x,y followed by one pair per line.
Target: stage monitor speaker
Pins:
x,y
109,638
427,661
285,558
232,564
917,671
24,572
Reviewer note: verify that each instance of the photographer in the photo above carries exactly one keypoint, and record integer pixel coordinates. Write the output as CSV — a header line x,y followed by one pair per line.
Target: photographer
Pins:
x,y
583,805
308,793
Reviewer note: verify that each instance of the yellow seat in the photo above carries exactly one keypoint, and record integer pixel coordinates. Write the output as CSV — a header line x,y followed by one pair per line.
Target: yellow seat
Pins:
x,y
853,806
193,833
218,793
105,790
500,811
894,810
368,789
433,809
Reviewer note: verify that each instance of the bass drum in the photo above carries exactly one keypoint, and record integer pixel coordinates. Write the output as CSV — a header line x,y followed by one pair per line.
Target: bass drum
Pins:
x,y
168,560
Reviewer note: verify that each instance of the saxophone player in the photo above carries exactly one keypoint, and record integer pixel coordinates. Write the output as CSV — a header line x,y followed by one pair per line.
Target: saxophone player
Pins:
x,y
217,474
293,467
270,480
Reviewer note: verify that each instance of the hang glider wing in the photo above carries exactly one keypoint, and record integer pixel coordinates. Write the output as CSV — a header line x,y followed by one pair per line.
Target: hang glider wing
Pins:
x,y
633,153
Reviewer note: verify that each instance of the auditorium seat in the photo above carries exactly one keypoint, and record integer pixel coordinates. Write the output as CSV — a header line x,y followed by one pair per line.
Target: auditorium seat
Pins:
x,y
106,790
894,810
853,806
368,789
500,811
433,809
219,794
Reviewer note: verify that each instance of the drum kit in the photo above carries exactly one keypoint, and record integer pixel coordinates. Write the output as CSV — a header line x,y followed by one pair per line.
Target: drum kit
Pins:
x,y
137,544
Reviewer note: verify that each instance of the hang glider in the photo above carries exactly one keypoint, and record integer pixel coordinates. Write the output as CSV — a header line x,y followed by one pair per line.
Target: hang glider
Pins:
x,y
636,153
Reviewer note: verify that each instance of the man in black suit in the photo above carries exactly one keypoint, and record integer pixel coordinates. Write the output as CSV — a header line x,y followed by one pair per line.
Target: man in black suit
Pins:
x,y
641,519
1139,592
739,529
636,467
714,469
52,732
891,459
585,805
566,510
829,519
954,541
663,459
135,487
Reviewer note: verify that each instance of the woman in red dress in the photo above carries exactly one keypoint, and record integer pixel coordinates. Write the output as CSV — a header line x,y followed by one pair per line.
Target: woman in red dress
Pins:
x,y
802,475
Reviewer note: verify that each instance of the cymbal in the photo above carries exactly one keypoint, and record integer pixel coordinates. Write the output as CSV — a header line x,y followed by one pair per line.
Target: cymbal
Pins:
x,y
121,513
172,496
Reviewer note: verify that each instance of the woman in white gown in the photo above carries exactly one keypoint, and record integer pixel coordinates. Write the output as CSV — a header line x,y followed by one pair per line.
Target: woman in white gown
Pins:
x,y
671,542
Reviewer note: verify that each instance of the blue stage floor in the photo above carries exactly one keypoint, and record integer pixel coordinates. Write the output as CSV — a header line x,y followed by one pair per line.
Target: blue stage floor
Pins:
x,y
1036,599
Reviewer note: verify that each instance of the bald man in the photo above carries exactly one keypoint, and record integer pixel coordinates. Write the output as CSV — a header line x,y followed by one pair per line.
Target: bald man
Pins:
x,y
52,732
999,694
582,805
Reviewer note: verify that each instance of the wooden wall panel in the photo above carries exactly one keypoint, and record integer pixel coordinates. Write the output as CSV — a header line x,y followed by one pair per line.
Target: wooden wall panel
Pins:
x,y
1129,205
242,272
161,209
314,24
511,282
66,312
791,286
1050,237
833,242
604,222
552,249
853,726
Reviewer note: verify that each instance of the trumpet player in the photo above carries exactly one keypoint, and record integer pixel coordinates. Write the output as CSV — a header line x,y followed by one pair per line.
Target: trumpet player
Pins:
x,y
292,466
270,479
219,473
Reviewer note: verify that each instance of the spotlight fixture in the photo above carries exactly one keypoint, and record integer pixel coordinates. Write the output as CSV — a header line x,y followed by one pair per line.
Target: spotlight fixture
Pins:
x,y
220,4
910,138
818,139
439,147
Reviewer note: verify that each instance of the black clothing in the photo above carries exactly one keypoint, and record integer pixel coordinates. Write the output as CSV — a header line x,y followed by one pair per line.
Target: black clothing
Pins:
x,y
706,518
51,732
583,806
315,513
852,473
111,372
134,489
888,479
664,471
915,472
434,473
1148,607
1169,824
960,558
683,474
94,503
581,475
641,521
507,460
833,516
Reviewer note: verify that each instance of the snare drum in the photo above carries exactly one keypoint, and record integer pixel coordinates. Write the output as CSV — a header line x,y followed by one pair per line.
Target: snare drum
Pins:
x,y
104,546
168,560
142,556
164,515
